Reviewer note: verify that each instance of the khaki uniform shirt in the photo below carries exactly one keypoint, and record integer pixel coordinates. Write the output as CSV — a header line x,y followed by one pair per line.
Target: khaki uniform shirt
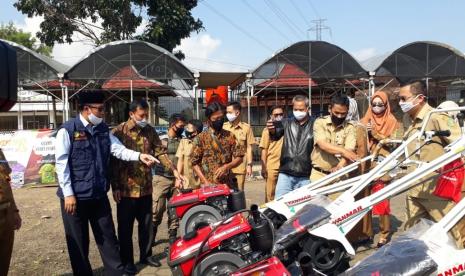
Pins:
x,y
244,136
343,135
6,195
134,179
274,150
184,153
429,152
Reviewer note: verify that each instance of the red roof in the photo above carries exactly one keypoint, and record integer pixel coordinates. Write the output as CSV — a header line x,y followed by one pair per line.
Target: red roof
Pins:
x,y
121,81
289,76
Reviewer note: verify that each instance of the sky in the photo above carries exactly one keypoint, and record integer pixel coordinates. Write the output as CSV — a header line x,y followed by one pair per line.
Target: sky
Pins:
x,y
241,34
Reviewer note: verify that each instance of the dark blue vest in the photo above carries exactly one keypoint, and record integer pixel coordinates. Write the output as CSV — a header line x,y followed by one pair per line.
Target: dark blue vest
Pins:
x,y
88,159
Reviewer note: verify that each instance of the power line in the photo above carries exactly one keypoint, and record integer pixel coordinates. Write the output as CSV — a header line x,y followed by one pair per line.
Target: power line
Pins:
x,y
300,13
281,17
236,26
313,8
266,21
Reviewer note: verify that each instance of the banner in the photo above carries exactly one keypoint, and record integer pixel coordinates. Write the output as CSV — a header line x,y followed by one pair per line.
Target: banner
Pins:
x,y
31,156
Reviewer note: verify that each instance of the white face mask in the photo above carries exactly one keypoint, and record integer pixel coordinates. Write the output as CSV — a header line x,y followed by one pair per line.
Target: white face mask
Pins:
x,y
142,123
299,115
378,109
231,117
407,106
94,119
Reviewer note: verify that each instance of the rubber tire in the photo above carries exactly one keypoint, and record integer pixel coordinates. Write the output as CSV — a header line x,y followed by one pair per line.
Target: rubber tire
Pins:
x,y
185,224
223,257
313,247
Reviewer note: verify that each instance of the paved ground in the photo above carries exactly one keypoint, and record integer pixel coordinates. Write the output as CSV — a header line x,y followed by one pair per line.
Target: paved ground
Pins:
x,y
40,247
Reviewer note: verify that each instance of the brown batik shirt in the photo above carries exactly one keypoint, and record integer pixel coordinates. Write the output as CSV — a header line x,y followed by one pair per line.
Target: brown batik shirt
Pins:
x,y
134,179
210,156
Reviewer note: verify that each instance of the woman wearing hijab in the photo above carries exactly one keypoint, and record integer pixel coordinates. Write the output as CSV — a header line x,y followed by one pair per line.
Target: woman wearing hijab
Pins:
x,y
381,124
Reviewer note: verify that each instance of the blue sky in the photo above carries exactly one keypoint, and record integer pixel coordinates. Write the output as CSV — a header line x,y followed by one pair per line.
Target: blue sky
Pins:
x,y
363,28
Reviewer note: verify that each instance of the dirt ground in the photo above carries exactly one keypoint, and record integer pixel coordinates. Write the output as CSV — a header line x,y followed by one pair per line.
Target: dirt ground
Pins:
x,y
40,247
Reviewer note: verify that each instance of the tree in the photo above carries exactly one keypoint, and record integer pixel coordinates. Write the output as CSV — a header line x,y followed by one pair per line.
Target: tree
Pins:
x,y
12,33
102,21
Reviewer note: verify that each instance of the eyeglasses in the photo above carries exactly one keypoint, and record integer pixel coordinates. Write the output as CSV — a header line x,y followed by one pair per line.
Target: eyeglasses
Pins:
x,y
99,108
377,104
404,99
278,114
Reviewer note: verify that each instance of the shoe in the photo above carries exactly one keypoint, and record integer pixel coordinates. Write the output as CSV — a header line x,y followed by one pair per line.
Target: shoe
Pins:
x,y
130,269
363,242
151,261
172,236
382,243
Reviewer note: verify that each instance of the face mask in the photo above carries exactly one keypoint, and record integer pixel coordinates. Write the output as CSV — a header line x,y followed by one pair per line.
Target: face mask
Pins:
x,y
179,131
299,115
231,117
189,134
218,124
378,109
407,106
142,123
336,120
278,118
94,119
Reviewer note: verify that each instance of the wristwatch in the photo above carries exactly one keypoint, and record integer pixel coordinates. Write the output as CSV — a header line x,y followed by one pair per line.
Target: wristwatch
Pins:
x,y
249,164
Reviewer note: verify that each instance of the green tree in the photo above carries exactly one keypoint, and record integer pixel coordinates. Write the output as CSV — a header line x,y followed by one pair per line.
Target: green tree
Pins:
x,y
12,33
168,21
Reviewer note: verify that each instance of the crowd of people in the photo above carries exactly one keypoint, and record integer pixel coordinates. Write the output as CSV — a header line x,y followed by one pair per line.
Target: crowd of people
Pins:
x,y
144,171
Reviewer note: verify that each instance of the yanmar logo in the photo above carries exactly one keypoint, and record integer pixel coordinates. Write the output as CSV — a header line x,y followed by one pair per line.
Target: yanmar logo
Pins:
x,y
454,271
347,215
298,201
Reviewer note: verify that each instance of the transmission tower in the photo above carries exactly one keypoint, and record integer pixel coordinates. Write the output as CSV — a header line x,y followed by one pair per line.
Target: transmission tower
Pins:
x,y
318,27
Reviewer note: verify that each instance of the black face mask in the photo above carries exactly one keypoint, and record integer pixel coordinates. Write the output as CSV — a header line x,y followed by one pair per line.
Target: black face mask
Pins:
x,y
218,124
337,121
179,131
189,134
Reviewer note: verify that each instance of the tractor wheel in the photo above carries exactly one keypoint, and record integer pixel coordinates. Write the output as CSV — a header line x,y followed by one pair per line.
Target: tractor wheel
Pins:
x,y
219,263
198,216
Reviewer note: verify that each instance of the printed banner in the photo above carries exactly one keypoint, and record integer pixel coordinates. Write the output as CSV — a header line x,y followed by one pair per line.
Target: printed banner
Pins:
x,y
30,154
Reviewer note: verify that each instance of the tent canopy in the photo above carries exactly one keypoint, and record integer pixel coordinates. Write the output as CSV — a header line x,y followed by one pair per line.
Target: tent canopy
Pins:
x,y
150,61
35,68
318,59
423,59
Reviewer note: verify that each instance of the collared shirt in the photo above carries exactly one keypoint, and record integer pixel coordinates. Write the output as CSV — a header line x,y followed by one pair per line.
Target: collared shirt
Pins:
x,y
273,148
134,179
184,153
244,136
209,156
430,151
62,148
6,195
343,135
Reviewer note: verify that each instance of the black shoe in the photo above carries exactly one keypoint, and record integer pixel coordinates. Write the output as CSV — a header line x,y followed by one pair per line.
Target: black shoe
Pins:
x,y
130,269
172,236
151,261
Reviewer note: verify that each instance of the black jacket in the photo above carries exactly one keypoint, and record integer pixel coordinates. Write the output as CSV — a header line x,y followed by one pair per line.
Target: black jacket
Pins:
x,y
297,147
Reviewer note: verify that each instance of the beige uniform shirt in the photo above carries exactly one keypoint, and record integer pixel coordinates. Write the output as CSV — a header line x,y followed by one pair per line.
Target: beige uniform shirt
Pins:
x,y
343,135
244,136
274,150
184,153
429,152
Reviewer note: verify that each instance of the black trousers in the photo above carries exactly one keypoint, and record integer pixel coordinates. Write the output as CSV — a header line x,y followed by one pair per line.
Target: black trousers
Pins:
x,y
129,210
97,212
